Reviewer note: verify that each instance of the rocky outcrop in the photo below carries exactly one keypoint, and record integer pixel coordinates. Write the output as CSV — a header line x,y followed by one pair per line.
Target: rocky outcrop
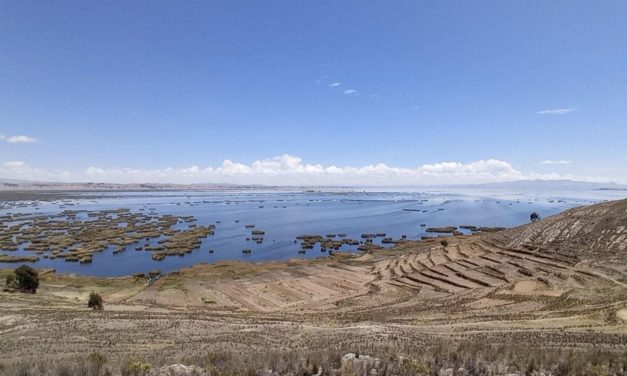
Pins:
x,y
355,364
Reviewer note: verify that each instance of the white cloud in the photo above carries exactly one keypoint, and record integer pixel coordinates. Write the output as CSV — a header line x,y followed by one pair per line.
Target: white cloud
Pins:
x,y
555,162
556,111
335,84
350,92
14,164
22,170
17,139
287,170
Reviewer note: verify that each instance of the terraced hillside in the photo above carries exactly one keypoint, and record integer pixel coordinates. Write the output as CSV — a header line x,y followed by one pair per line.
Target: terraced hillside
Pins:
x,y
484,263
573,254
559,283
590,232
572,261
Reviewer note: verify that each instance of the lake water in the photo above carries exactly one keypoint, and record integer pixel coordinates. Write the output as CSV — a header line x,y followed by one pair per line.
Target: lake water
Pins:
x,y
285,215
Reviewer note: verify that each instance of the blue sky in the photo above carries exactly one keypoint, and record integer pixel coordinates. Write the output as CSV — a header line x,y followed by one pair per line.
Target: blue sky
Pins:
x,y
284,92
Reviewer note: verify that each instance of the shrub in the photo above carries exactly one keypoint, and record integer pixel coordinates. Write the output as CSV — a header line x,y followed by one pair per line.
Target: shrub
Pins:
x,y
95,302
444,242
96,364
135,368
27,279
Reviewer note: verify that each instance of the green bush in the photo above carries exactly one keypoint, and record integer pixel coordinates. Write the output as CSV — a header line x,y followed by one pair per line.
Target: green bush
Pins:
x,y
27,279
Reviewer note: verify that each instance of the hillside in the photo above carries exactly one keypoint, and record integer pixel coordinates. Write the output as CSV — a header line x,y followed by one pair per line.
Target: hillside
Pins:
x,y
592,232
543,296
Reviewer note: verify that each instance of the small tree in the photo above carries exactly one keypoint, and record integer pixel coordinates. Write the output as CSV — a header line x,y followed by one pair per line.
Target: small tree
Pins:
x,y
27,279
95,302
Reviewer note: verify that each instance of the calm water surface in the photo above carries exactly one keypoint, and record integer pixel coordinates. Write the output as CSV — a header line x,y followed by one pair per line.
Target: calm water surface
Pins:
x,y
285,215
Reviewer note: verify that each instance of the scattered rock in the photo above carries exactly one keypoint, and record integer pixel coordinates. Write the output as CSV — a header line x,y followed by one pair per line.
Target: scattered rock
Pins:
x,y
179,370
354,364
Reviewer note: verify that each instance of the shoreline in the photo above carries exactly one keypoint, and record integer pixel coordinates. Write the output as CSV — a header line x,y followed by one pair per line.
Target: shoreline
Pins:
x,y
472,291
261,264
183,246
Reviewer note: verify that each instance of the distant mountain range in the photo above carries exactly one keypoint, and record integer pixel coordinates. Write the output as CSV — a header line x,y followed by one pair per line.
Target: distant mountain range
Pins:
x,y
526,185
12,184
540,185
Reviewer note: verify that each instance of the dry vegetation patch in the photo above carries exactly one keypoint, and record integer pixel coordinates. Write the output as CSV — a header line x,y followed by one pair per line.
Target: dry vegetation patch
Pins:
x,y
479,304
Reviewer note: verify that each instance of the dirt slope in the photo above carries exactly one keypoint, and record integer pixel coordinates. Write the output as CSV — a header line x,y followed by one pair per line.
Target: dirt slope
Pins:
x,y
557,283
591,232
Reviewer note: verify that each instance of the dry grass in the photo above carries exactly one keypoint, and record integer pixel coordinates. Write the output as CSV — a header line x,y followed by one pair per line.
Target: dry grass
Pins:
x,y
443,357
421,308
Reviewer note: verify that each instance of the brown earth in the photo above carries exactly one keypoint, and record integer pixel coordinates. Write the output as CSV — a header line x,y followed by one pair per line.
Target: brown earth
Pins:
x,y
559,283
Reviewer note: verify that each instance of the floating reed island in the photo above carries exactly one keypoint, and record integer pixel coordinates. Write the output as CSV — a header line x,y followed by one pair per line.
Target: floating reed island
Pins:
x,y
453,230
447,229
10,258
76,236
331,243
